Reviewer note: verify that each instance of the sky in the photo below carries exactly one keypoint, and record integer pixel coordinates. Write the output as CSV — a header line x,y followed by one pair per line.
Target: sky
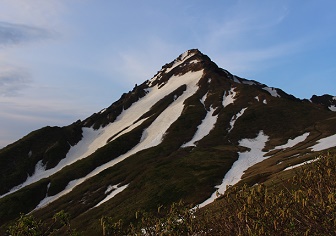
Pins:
x,y
63,60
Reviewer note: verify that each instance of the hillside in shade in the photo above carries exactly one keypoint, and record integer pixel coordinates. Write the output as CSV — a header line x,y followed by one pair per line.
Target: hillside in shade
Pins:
x,y
187,133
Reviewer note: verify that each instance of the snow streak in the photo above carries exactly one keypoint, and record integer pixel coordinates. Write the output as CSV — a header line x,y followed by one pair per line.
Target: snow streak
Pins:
x,y
272,91
301,164
292,142
245,161
235,118
204,128
114,190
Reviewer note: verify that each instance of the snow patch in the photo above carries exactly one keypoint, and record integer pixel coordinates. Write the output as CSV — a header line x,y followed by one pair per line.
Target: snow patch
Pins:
x,y
184,55
235,118
264,100
245,161
334,98
30,153
332,108
235,79
272,91
292,142
204,128
203,99
115,190
325,143
102,111
193,62
248,82
230,98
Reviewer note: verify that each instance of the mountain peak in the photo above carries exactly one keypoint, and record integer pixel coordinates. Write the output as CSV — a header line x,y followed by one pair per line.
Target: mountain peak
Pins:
x,y
191,130
190,60
189,52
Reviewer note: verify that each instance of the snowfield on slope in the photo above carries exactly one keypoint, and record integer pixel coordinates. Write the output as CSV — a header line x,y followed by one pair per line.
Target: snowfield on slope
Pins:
x,y
325,143
153,135
245,161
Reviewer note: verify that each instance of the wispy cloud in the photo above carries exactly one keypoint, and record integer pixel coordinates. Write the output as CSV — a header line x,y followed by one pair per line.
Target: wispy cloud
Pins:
x,y
246,37
16,33
38,12
12,80
139,63
258,59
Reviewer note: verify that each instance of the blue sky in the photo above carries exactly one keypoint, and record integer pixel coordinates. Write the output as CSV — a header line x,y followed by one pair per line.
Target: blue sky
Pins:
x,y
62,60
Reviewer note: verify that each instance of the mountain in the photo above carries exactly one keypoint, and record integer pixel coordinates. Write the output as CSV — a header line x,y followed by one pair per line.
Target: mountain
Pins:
x,y
186,133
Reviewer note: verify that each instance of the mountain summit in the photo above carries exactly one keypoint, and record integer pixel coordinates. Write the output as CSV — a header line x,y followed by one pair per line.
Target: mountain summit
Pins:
x,y
187,133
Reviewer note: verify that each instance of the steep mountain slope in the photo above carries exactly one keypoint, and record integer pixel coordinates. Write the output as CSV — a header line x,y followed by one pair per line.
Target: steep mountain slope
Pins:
x,y
186,133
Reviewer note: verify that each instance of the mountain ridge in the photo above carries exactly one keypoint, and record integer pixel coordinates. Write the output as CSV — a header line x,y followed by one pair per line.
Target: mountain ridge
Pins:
x,y
182,131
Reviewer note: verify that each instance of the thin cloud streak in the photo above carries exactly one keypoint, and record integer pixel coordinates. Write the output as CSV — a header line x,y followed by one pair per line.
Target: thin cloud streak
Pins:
x,y
38,13
135,65
13,80
245,61
17,33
